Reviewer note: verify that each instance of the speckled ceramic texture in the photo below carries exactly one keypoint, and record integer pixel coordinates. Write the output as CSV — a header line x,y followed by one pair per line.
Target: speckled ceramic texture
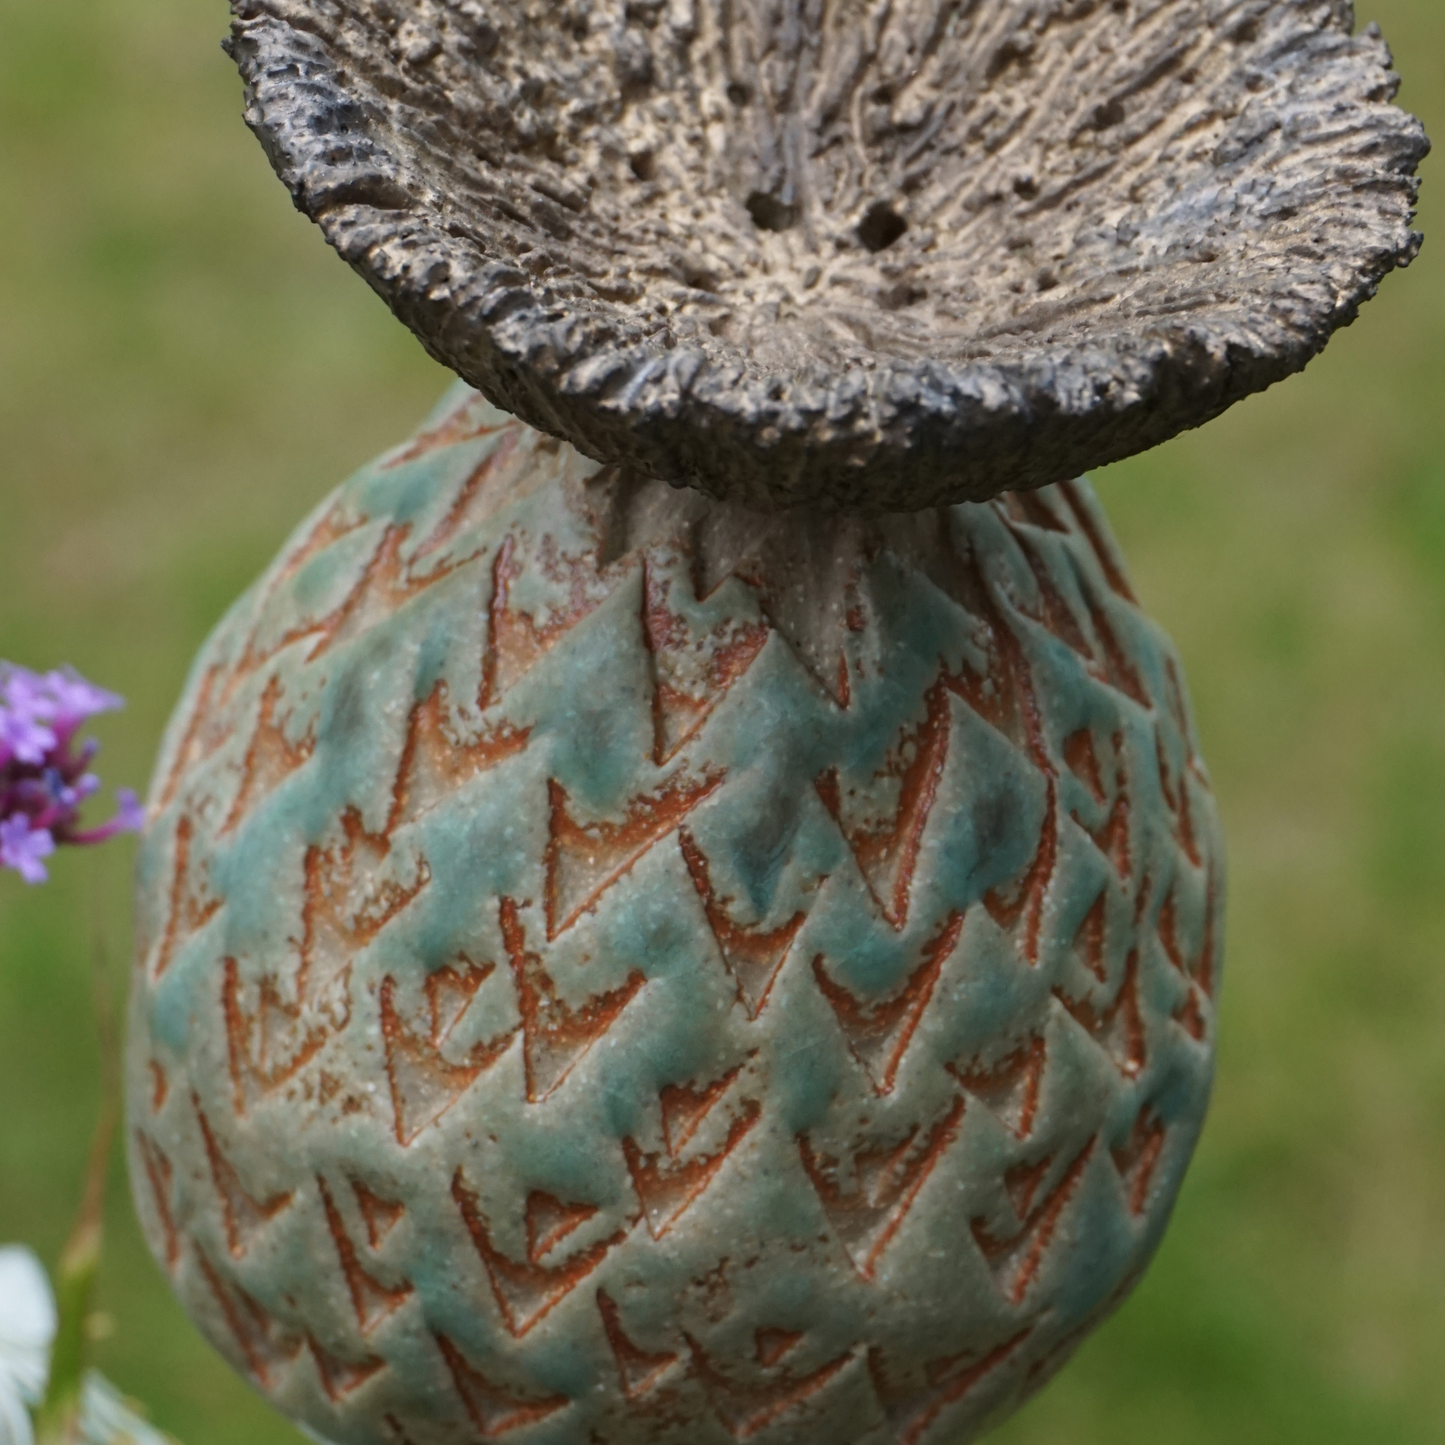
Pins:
x,y
615,971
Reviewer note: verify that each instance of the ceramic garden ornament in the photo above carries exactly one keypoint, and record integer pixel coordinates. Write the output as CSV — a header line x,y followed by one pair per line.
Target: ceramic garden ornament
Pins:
x,y
691,912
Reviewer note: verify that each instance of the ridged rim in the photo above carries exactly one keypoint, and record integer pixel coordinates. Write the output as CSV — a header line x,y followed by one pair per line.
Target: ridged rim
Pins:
x,y
902,433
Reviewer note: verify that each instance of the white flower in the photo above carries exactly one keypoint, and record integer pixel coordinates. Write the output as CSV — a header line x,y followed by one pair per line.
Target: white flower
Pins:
x,y
27,1327
107,1419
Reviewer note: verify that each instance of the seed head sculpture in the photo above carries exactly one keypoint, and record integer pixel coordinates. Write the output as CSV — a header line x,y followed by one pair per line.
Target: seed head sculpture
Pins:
x,y
691,912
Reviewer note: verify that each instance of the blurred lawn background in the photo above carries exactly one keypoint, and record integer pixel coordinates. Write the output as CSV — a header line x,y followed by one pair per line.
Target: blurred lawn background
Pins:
x,y
185,368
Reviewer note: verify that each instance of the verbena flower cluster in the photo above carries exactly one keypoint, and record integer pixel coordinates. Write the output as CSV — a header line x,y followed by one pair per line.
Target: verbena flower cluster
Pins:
x,y
45,773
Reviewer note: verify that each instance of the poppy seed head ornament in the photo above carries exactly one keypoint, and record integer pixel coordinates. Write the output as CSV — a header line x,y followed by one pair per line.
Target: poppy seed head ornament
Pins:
x,y
691,911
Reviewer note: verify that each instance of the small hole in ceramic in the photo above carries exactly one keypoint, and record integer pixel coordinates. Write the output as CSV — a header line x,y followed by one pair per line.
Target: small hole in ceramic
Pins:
x,y
769,213
881,226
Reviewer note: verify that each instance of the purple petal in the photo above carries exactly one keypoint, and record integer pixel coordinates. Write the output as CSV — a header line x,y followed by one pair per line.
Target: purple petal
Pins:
x,y
23,738
75,698
131,814
22,847
130,818
24,691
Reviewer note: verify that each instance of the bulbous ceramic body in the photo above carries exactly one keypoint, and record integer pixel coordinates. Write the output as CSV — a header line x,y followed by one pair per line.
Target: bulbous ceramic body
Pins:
x,y
616,969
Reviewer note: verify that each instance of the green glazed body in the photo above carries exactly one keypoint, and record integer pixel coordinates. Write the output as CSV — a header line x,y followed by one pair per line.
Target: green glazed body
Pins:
x,y
614,969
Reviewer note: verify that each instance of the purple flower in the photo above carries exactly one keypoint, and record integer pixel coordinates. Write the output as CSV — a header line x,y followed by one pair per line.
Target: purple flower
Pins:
x,y
45,776
22,737
75,699
22,847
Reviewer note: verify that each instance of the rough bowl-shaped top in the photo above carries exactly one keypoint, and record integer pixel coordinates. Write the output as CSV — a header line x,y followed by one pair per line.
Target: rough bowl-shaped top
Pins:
x,y
849,253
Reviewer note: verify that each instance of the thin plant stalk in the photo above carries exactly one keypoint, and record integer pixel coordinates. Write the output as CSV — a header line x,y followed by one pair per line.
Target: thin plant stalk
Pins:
x,y
57,1421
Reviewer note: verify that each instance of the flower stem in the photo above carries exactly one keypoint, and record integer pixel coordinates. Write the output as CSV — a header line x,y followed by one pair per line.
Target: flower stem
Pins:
x,y
57,1421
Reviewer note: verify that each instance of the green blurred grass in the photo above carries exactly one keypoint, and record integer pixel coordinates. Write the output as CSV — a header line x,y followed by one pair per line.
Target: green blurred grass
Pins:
x,y
185,368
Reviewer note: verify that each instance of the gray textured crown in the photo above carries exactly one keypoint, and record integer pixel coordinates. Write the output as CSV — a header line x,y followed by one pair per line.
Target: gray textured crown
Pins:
x,y
848,253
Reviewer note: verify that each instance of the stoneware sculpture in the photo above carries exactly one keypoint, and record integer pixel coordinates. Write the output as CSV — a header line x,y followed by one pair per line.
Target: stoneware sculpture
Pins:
x,y
691,912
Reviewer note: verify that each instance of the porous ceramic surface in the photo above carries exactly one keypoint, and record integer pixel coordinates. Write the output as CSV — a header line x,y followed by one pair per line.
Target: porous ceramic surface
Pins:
x,y
615,970
870,253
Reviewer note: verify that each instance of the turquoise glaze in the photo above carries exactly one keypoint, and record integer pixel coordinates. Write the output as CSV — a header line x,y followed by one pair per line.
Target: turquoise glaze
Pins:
x,y
615,971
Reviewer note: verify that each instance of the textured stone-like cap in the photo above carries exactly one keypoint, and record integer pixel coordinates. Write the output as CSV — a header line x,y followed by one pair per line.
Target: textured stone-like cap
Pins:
x,y
867,253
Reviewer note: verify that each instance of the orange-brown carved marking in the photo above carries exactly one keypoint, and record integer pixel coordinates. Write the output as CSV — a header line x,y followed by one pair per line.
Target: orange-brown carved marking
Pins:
x,y
380,1215
845,686
525,1293
160,1087
343,912
684,1108
1175,696
190,750
1187,840
333,526
461,425
264,1345
912,1412
1118,671
330,529
460,513
1022,1255
449,993
887,1182
1119,1028
1089,940
555,1037
398,1430
754,956
386,585
879,1033
746,1408
666,1183
1108,561
1204,969
1003,694
1034,509
549,1221
515,641
270,758
1009,1088
1056,615
159,1174
1083,761
639,1371
1165,786
434,763
493,1410
244,1215
372,1300
424,1085
585,860
773,1344
690,675
1112,840
189,910
340,1378
1027,901
887,854
1137,1157
1190,1017
1169,934
1021,1182
270,1046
